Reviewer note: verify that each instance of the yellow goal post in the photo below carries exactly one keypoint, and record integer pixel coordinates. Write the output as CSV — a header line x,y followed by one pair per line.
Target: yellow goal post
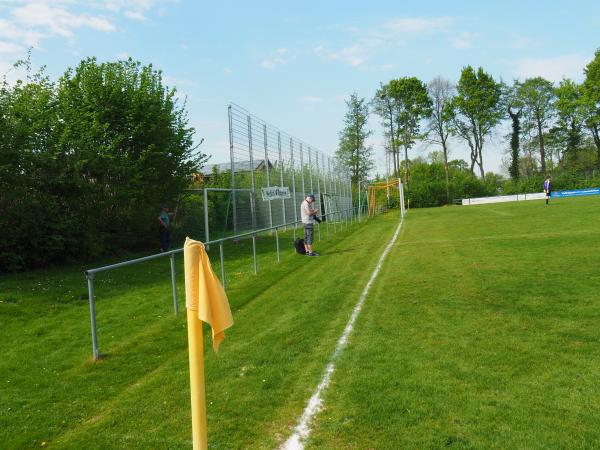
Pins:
x,y
385,195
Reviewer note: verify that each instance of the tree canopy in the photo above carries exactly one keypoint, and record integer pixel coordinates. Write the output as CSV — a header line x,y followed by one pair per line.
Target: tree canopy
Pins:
x,y
353,151
477,109
86,162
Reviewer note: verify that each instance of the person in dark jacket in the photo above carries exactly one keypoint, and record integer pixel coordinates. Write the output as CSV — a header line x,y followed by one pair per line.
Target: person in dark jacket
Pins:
x,y
548,187
163,230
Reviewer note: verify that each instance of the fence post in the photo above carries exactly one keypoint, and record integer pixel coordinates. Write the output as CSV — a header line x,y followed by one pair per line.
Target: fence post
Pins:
x,y
335,214
231,157
302,166
174,283
351,203
277,242
319,193
267,172
310,174
281,178
294,188
359,210
222,263
254,253
400,197
206,231
252,206
90,280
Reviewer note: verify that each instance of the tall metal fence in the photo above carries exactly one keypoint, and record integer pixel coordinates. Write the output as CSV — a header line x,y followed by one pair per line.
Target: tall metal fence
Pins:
x,y
272,172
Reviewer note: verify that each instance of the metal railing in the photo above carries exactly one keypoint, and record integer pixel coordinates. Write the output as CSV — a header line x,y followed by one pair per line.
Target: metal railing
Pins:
x,y
338,217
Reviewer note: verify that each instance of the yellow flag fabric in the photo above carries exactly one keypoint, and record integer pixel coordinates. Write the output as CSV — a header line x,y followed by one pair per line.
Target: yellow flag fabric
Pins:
x,y
204,292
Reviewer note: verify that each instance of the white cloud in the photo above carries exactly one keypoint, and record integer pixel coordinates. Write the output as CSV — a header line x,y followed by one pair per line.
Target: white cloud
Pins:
x,y
463,40
10,73
10,47
393,32
122,56
136,15
353,56
178,82
267,64
553,69
378,67
272,63
318,50
418,25
57,21
10,31
227,71
136,9
520,42
29,22
310,99
282,50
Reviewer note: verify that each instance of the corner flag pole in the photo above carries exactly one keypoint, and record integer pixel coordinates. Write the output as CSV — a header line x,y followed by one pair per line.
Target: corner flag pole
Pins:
x,y
206,301
196,353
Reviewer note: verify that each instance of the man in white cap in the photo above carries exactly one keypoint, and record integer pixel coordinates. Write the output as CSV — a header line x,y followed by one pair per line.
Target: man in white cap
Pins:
x,y
308,213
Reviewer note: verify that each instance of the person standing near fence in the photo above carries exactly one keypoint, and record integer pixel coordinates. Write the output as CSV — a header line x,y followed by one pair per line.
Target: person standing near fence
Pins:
x,y
308,214
548,187
164,230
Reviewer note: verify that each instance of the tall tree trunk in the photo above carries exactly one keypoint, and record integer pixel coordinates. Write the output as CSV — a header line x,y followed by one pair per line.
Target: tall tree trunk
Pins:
x,y
445,149
392,143
406,166
542,149
479,147
596,134
480,162
473,160
514,143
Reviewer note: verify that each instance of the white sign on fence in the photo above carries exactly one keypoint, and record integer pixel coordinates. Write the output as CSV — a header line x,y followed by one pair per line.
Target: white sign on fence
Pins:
x,y
275,192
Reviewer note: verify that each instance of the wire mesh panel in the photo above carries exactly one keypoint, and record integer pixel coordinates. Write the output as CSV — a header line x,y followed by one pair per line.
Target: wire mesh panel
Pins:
x,y
278,171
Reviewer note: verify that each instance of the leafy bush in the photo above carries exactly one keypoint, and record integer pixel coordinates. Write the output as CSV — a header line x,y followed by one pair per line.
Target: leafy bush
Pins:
x,y
86,162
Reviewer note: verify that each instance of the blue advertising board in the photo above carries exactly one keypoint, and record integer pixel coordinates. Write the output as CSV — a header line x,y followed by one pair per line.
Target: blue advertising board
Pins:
x,y
576,192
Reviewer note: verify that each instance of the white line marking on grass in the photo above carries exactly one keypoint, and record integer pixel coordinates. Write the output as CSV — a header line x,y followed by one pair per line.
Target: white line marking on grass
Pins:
x,y
302,430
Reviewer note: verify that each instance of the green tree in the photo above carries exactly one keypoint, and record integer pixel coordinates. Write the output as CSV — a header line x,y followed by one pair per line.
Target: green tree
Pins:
x,y
570,115
514,108
353,151
591,100
441,92
86,162
538,97
384,105
32,229
412,104
127,144
477,109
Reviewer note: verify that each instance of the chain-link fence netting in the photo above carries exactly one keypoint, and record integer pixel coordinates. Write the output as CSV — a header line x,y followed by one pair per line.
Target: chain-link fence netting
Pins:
x,y
263,184
279,171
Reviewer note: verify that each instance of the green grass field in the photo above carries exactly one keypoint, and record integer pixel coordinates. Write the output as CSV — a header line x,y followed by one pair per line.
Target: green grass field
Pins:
x,y
481,331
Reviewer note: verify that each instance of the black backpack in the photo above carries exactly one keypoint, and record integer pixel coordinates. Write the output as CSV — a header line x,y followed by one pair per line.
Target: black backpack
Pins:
x,y
299,244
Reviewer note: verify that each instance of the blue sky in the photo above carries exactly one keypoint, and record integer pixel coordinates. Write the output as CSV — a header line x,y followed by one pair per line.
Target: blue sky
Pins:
x,y
293,64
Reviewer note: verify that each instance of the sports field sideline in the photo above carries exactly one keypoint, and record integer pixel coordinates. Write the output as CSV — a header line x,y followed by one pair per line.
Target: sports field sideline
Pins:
x,y
480,331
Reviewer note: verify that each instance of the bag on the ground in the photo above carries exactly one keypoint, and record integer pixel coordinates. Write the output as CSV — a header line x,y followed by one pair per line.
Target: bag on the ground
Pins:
x,y
299,244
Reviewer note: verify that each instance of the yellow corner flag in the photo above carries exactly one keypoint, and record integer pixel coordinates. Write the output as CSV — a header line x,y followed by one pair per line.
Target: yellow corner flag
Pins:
x,y
206,301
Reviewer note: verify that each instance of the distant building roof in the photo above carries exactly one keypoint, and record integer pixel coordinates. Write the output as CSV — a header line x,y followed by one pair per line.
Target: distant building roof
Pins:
x,y
240,166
